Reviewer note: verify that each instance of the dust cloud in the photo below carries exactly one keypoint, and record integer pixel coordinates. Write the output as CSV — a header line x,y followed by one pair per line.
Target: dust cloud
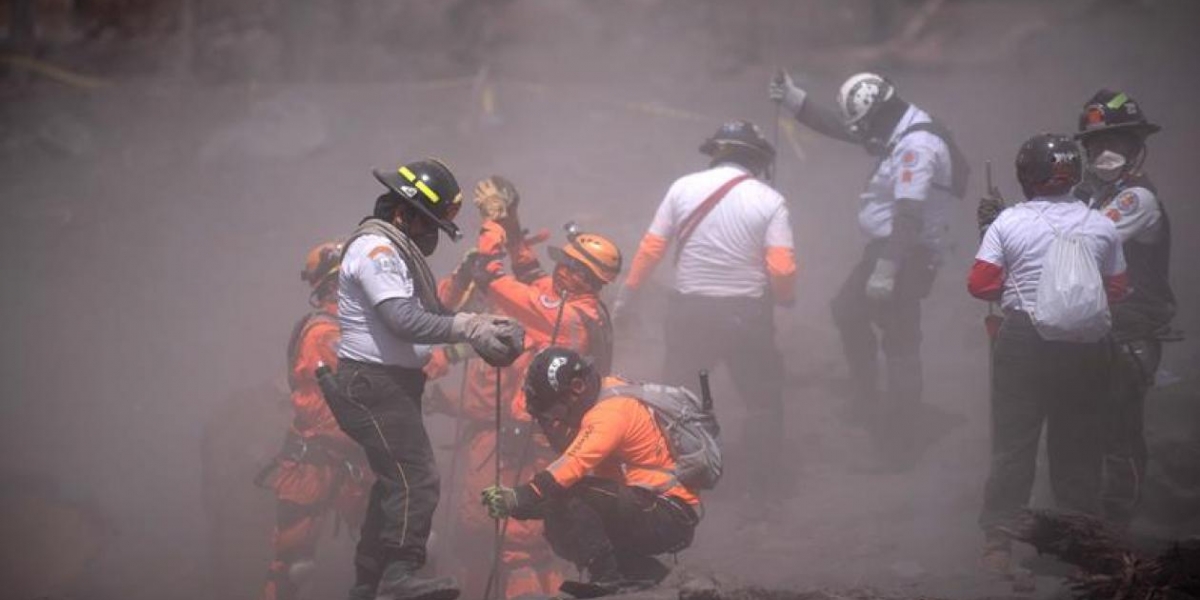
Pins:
x,y
156,210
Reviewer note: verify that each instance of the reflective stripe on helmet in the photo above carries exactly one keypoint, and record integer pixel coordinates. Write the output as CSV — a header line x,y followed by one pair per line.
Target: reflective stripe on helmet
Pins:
x,y
412,178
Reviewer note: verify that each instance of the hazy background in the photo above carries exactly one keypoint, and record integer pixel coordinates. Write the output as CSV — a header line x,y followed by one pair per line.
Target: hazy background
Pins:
x,y
158,196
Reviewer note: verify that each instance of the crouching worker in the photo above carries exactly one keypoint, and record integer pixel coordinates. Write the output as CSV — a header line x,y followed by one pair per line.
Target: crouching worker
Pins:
x,y
614,498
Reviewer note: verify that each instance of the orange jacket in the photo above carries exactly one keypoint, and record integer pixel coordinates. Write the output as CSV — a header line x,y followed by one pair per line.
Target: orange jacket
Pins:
x,y
314,341
585,324
618,439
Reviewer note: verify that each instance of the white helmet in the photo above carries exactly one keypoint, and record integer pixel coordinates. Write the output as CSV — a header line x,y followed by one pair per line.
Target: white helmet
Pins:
x,y
863,94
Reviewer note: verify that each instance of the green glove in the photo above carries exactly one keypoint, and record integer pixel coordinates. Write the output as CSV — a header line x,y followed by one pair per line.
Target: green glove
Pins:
x,y
499,501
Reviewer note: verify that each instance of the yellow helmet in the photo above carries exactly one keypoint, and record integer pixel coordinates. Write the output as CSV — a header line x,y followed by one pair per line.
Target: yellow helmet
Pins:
x,y
595,252
321,263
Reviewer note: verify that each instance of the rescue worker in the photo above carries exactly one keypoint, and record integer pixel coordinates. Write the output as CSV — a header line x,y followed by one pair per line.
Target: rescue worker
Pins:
x,y
1036,382
562,308
610,502
390,314
1113,130
734,262
319,470
527,561
905,216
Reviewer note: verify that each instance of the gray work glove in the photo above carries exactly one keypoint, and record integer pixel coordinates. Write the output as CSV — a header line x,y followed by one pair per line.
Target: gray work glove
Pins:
x,y
784,91
882,281
622,305
498,340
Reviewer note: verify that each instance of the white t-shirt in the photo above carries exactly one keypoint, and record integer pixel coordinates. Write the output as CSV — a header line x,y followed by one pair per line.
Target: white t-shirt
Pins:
x,y
372,272
1136,214
1021,236
726,254
917,162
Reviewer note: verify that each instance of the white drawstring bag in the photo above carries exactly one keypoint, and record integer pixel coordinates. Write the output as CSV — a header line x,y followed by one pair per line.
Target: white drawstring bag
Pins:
x,y
1072,305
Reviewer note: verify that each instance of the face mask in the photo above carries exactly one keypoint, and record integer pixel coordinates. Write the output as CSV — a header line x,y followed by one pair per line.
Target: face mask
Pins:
x,y
427,242
1109,166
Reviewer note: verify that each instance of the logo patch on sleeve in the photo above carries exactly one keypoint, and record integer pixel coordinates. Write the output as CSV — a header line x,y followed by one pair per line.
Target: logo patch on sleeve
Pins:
x,y
909,158
549,302
906,176
1128,202
1113,214
384,259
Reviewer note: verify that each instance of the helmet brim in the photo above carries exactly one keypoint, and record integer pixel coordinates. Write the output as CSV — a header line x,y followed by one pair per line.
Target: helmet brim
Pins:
x,y
1143,129
393,181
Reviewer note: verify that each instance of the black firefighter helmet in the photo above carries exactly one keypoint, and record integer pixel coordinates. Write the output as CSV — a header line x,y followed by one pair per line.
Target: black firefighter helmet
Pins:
x,y
554,375
1049,163
1110,111
430,187
739,137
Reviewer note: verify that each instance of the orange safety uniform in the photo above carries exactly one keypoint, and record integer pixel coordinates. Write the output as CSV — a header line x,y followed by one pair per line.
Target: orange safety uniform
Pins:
x,y
619,440
527,559
528,294
320,469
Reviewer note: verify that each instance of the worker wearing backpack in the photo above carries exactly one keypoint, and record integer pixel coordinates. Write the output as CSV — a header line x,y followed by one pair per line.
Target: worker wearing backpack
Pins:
x,y
905,214
625,487
1054,265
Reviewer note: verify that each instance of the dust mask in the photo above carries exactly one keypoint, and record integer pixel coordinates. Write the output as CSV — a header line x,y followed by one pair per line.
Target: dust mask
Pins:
x,y
1109,166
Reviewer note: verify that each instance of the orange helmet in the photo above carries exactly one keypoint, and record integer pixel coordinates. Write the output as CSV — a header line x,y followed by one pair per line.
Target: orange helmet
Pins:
x,y
321,263
595,252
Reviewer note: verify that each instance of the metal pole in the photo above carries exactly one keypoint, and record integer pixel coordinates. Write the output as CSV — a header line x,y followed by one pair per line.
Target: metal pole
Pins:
x,y
492,582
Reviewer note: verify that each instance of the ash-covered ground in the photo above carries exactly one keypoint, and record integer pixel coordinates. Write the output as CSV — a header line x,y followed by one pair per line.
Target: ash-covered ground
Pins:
x,y
154,216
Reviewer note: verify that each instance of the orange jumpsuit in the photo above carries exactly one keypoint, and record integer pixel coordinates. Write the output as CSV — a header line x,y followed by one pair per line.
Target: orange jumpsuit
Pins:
x,y
319,469
529,296
527,559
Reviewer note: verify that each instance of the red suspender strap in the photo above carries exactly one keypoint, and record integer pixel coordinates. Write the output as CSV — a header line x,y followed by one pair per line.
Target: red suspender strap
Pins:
x,y
689,224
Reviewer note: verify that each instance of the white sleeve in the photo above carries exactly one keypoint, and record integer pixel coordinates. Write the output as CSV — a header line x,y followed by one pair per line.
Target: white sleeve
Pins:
x,y
1113,259
991,249
1136,214
915,166
779,228
664,223
381,273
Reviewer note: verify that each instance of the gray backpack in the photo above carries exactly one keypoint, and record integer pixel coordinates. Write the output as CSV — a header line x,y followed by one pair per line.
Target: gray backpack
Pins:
x,y
692,432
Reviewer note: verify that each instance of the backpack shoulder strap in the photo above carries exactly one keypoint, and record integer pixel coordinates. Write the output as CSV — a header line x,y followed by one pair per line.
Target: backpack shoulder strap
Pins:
x,y
631,390
958,165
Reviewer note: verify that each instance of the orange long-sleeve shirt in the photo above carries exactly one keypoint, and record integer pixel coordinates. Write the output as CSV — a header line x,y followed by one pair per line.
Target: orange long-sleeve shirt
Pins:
x,y
618,439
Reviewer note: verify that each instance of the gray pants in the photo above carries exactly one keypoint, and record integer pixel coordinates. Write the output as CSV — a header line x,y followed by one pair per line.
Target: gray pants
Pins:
x,y
380,408
1058,385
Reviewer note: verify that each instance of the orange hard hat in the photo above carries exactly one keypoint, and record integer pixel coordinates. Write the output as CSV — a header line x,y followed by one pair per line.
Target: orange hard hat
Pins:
x,y
321,263
595,252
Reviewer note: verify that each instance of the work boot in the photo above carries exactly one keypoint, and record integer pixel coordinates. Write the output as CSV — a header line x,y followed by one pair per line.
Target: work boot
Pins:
x,y
997,554
401,582
642,569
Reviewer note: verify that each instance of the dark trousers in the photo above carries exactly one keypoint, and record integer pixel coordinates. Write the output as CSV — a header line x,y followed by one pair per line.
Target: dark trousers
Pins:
x,y
1123,438
1060,385
600,517
898,321
703,332
380,408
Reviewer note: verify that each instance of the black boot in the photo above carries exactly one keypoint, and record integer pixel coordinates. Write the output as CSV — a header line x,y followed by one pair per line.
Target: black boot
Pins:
x,y
400,582
645,571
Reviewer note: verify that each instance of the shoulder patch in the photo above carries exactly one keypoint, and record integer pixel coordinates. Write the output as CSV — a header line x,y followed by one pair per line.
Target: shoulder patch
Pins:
x,y
1113,214
909,158
1128,202
384,259
549,302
